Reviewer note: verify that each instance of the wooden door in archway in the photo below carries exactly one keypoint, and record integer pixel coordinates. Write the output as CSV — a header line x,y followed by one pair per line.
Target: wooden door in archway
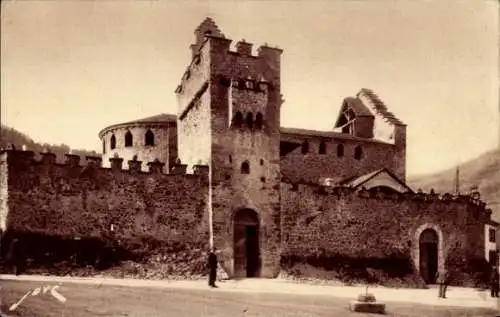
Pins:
x,y
246,244
428,249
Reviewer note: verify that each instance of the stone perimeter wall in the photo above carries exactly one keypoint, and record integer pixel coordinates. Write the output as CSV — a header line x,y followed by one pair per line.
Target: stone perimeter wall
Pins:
x,y
72,201
330,222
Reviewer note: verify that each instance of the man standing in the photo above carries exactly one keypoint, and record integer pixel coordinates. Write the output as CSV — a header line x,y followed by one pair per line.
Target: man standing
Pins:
x,y
442,280
495,280
16,256
212,266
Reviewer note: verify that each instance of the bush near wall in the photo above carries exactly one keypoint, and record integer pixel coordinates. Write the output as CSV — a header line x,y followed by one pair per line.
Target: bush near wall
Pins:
x,y
141,258
469,271
391,272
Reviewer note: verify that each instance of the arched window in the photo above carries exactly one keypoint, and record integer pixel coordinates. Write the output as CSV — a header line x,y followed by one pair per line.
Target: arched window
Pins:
x,y
322,147
261,161
305,147
103,146
149,138
340,150
358,152
128,139
245,168
259,121
250,120
237,120
112,142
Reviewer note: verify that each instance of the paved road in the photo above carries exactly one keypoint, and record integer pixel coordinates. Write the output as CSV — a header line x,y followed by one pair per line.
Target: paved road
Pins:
x,y
457,296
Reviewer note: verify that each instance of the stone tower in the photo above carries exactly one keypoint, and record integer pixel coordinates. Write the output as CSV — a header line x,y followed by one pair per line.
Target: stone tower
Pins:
x,y
229,117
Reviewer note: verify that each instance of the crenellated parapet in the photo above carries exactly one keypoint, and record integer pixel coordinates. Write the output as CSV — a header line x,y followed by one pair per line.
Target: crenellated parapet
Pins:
x,y
79,198
472,200
47,161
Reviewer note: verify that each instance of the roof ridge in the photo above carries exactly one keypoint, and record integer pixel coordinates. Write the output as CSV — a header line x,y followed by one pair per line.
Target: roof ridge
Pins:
x,y
379,106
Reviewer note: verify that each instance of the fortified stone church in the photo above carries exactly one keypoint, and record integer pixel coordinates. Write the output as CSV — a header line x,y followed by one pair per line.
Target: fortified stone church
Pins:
x,y
262,194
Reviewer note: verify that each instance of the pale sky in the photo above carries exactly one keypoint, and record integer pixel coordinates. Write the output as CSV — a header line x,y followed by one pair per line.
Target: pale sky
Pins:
x,y
70,68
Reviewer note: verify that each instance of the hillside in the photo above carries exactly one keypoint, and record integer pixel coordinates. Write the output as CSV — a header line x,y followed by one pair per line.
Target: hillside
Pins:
x,y
10,136
483,172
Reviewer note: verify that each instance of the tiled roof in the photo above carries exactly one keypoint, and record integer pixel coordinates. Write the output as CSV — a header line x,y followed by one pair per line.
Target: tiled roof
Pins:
x,y
356,181
159,118
325,134
163,117
379,106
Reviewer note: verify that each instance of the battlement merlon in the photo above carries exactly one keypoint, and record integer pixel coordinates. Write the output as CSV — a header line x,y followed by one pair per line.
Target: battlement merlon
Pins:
x,y
22,159
430,197
214,58
220,45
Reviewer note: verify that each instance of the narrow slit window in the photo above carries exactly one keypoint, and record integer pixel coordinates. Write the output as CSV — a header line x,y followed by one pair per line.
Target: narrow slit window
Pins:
x,y
358,153
340,150
245,168
150,138
112,143
259,121
322,147
250,120
238,120
128,139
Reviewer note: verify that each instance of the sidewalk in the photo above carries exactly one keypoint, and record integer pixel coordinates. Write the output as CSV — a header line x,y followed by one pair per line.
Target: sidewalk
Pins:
x,y
456,296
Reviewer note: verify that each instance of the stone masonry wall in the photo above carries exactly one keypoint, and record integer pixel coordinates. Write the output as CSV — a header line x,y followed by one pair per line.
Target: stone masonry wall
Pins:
x,y
194,134
312,166
344,223
193,98
70,201
4,207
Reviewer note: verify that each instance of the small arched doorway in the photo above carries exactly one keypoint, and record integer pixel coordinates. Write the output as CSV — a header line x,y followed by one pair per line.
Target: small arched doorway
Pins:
x,y
246,244
428,249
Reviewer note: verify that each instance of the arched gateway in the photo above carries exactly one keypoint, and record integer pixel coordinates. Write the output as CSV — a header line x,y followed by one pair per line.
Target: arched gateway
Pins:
x,y
246,244
428,247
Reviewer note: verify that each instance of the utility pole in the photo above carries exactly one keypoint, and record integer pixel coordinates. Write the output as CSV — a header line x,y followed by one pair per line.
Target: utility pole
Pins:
x,y
457,180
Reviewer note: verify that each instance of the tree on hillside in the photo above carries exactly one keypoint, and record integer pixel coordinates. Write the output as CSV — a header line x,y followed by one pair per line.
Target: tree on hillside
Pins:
x,y
10,136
